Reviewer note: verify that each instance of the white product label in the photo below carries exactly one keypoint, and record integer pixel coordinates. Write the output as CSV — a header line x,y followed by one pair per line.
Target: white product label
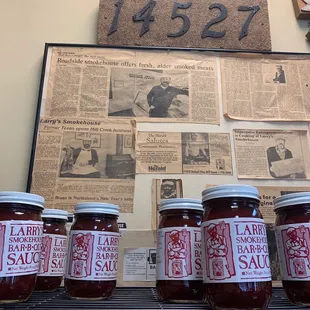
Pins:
x,y
235,250
20,247
53,255
92,255
179,254
293,242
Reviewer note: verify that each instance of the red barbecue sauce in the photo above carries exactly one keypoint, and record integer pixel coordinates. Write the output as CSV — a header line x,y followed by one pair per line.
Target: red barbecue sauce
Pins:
x,y
293,211
184,216
20,221
54,250
93,218
227,203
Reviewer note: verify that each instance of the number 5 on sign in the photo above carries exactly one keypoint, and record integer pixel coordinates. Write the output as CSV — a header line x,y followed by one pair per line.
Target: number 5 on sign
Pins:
x,y
186,20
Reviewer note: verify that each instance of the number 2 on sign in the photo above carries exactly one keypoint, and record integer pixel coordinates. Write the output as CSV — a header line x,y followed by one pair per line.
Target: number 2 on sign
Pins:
x,y
145,15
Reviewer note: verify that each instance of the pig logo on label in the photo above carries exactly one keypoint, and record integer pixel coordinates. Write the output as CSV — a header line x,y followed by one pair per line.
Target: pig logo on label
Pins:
x,y
45,253
81,255
220,264
296,248
2,239
178,254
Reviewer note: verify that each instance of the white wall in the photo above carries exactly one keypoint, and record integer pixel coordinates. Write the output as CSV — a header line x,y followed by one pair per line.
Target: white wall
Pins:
x,y
24,28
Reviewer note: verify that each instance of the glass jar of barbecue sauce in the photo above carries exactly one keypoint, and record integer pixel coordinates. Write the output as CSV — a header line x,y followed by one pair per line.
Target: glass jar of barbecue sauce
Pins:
x,y
293,243
235,250
93,251
21,229
178,261
54,250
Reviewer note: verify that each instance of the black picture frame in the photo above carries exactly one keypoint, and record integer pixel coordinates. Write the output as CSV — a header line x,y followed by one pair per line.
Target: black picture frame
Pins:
x,y
64,45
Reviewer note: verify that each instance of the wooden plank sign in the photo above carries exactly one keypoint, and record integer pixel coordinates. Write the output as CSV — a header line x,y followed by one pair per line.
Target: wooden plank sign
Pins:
x,y
229,24
302,9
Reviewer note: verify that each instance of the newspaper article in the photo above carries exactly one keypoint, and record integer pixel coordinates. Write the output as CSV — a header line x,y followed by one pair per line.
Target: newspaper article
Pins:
x,y
266,89
80,160
164,189
139,264
271,154
188,153
269,193
127,83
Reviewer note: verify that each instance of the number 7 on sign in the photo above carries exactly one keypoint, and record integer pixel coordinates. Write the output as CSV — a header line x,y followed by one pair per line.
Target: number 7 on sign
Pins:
x,y
147,18
254,9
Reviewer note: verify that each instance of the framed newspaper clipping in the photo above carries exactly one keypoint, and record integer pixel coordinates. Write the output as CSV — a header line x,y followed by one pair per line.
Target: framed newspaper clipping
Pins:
x,y
83,146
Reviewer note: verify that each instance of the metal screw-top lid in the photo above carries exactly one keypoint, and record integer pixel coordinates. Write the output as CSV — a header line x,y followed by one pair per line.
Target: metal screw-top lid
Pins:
x,y
96,207
55,214
291,200
230,190
23,198
180,204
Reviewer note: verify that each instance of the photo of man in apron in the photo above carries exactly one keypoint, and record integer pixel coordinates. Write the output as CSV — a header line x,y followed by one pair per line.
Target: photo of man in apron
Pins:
x,y
298,253
177,253
217,255
80,264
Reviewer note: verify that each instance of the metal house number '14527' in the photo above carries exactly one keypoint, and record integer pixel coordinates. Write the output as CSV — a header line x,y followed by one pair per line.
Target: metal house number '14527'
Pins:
x,y
145,16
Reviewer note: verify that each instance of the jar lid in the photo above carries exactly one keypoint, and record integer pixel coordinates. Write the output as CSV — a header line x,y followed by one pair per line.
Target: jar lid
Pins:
x,y
96,207
21,197
180,204
291,200
230,190
55,214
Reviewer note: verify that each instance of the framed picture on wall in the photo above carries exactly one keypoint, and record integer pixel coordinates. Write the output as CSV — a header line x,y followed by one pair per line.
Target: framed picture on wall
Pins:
x,y
90,95
302,9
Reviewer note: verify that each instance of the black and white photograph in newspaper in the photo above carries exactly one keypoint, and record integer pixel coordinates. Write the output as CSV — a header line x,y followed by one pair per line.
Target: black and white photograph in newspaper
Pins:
x,y
195,148
168,189
272,154
274,74
105,155
145,93
282,151
164,189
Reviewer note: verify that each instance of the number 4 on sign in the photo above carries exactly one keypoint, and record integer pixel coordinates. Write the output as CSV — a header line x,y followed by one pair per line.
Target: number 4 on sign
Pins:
x,y
144,15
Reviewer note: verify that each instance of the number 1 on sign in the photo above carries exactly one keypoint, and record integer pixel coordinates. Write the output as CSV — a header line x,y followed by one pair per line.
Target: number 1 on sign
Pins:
x,y
144,15
114,24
